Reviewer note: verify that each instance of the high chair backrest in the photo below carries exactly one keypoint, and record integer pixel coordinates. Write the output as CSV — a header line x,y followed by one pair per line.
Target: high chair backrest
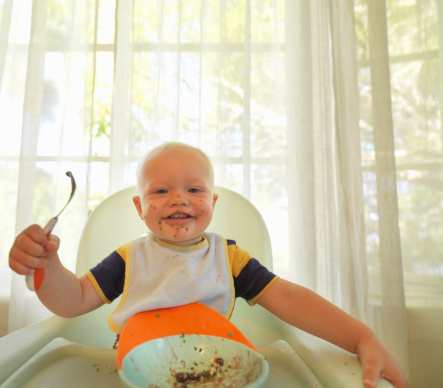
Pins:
x,y
115,222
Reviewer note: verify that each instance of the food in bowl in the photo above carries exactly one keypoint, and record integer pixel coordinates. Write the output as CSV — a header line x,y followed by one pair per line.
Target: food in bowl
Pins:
x,y
191,375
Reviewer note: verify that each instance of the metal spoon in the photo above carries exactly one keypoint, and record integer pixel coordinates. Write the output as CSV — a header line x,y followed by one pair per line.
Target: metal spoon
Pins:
x,y
34,281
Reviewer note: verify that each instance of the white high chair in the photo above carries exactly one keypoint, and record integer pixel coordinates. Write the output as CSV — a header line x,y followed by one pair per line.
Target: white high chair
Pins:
x,y
78,351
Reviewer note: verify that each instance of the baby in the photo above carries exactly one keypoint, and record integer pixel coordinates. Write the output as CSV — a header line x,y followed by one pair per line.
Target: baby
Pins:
x,y
179,263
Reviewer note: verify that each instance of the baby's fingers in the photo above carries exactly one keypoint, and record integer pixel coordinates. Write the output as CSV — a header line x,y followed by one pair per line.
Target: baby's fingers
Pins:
x,y
379,364
24,263
32,249
396,377
32,241
53,243
371,373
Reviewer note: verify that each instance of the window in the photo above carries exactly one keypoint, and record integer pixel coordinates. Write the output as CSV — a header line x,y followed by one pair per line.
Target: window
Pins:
x,y
209,73
414,30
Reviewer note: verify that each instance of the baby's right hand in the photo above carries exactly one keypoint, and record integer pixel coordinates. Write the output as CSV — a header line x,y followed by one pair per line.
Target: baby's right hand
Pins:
x,y
32,249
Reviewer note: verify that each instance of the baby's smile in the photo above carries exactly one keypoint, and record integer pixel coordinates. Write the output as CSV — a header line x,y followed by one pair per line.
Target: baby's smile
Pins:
x,y
179,218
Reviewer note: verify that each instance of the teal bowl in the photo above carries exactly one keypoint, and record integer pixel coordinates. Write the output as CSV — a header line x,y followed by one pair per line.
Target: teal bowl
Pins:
x,y
193,361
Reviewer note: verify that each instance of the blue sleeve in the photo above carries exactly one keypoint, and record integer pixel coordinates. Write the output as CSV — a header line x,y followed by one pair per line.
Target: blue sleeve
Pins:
x,y
110,276
252,279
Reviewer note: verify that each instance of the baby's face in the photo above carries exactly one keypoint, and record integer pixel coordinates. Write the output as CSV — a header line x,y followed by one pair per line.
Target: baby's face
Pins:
x,y
177,197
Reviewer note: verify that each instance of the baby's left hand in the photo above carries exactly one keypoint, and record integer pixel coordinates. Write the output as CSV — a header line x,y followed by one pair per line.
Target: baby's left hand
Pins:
x,y
378,363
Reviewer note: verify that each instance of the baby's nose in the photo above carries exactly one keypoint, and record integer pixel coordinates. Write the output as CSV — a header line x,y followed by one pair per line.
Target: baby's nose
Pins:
x,y
178,199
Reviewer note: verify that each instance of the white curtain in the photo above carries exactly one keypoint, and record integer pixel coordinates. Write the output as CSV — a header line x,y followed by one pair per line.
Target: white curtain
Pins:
x,y
325,182
326,211
291,99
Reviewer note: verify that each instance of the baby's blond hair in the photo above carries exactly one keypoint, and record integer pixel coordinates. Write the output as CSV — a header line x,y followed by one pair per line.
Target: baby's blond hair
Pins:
x,y
166,148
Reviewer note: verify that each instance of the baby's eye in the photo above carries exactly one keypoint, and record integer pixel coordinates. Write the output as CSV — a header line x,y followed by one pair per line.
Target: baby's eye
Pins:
x,y
161,191
194,190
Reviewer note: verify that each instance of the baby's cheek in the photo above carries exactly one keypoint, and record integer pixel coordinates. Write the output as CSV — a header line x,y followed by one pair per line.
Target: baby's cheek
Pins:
x,y
202,208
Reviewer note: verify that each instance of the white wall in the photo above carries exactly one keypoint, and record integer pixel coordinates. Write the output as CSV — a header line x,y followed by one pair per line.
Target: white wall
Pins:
x,y
4,309
425,346
5,281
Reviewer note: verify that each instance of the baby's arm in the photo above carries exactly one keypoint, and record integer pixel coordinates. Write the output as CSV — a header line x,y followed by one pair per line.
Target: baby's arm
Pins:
x,y
61,291
309,312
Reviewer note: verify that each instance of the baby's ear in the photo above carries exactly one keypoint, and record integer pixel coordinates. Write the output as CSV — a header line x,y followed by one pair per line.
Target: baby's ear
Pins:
x,y
214,199
138,205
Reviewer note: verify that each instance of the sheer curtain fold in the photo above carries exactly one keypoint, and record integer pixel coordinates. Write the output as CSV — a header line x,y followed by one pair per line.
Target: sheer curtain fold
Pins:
x,y
247,97
54,111
24,307
4,34
326,211
350,202
302,243
392,311
121,97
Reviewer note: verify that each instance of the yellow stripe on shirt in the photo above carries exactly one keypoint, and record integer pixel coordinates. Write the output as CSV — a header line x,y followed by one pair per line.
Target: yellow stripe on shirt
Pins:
x,y
97,288
253,301
125,252
239,258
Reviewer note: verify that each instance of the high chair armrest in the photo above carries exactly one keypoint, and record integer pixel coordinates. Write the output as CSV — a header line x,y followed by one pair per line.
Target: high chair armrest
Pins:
x,y
334,367
18,347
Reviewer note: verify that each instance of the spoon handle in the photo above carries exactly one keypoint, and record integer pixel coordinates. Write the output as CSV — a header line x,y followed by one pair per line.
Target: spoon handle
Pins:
x,y
34,281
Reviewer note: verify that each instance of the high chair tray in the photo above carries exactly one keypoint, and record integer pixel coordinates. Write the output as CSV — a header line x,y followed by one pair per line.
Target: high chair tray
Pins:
x,y
64,364
286,368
